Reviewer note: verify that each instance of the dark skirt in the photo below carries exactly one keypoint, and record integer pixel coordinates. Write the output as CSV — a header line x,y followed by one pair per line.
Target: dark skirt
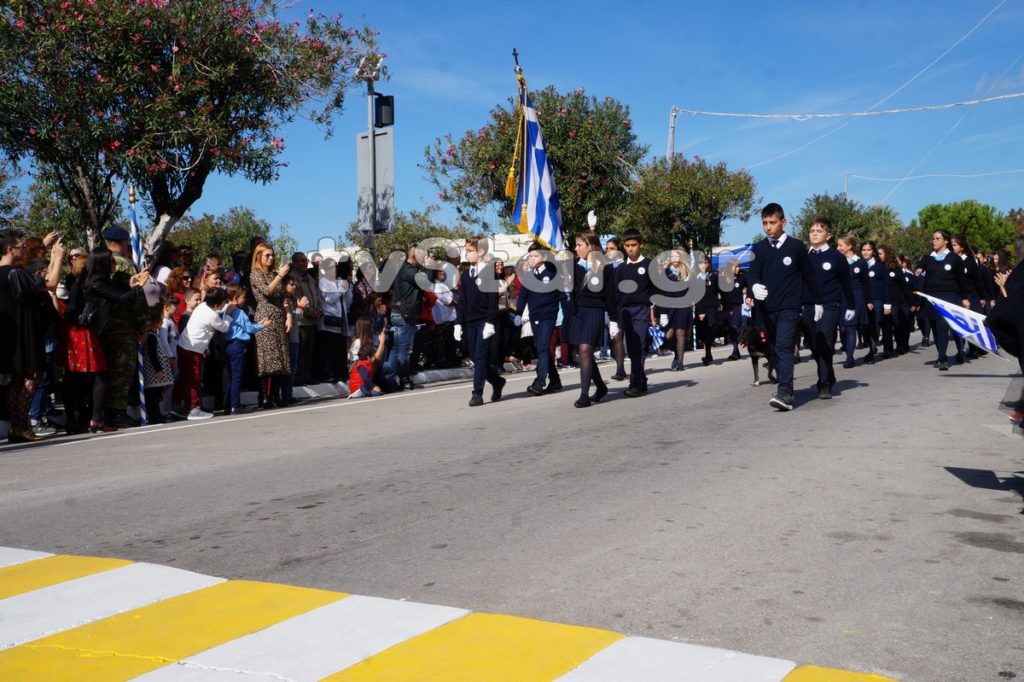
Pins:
x,y
710,316
860,307
680,318
587,326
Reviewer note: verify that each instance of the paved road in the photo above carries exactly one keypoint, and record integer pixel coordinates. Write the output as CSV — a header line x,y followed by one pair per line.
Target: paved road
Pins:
x,y
880,531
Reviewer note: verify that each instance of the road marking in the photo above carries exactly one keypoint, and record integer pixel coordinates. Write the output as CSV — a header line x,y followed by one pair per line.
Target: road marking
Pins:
x,y
485,646
812,673
151,637
655,660
9,556
33,575
314,645
70,604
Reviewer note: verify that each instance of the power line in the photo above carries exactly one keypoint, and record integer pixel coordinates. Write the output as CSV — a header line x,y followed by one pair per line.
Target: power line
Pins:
x,y
937,175
858,114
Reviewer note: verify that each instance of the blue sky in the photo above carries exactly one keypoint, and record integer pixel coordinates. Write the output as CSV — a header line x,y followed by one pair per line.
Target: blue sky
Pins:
x,y
451,62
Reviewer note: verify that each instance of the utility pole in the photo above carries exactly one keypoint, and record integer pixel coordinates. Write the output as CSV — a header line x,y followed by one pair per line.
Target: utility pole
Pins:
x,y
846,182
371,72
670,154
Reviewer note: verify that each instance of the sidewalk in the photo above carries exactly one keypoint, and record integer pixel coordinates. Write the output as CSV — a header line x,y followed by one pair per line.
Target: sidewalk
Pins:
x,y
77,618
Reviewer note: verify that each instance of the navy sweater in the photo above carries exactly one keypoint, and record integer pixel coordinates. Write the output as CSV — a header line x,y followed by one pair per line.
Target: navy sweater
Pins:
x,y
543,305
833,274
784,272
943,276
878,282
475,306
584,297
640,274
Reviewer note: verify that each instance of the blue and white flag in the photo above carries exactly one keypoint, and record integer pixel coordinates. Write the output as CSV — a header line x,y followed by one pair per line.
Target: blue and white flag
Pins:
x,y
536,210
138,256
657,336
742,254
967,324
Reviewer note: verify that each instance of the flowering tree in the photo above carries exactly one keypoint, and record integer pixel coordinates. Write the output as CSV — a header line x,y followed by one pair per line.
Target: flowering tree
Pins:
x,y
590,144
10,196
164,92
674,203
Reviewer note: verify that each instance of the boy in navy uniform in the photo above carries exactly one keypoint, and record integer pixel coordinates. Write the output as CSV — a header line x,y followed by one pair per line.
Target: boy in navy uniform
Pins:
x,y
635,313
777,277
543,306
833,275
477,314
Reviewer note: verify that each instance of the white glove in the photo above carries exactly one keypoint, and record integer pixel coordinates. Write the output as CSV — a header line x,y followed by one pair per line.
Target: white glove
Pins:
x,y
591,220
760,291
488,330
819,310
849,315
663,320
458,332
518,320
886,308
613,328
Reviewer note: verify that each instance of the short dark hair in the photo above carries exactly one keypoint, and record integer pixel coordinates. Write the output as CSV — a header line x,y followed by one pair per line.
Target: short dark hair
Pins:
x,y
9,239
233,290
632,235
536,246
215,296
773,210
823,221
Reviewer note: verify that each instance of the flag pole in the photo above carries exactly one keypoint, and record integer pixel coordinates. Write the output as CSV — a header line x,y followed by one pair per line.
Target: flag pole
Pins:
x,y
139,260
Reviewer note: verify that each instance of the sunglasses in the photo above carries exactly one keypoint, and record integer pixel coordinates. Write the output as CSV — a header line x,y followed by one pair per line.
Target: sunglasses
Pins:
x,y
74,256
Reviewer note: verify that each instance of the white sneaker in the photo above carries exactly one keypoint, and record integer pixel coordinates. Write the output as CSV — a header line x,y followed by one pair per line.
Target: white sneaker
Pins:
x,y
199,413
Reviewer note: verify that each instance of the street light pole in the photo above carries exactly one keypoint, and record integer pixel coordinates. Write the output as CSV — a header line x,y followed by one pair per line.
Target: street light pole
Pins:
x,y
371,237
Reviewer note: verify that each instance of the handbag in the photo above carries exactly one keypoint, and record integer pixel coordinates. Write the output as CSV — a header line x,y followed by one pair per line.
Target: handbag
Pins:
x,y
94,315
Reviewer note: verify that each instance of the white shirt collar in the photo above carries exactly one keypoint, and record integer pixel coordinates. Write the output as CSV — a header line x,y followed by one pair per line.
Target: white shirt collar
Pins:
x,y
781,240
634,262
822,249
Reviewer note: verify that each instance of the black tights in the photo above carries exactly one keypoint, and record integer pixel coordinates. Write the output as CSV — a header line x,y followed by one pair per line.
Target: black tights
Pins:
x,y
99,396
680,335
589,370
619,351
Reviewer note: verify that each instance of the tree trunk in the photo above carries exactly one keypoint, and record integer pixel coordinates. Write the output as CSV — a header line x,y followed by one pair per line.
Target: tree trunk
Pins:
x,y
161,229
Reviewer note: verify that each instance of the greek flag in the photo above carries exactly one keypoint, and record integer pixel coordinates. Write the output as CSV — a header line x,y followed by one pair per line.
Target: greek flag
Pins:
x,y
536,209
967,324
744,254
138,257
657,336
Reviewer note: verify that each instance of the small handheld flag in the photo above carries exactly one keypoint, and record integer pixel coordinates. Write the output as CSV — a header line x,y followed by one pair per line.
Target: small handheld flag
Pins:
x,y
530,180
657,336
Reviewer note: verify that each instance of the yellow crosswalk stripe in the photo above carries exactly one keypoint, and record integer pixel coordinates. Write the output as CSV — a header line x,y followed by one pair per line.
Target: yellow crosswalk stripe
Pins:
x,y
482,647
812,673
34,575
130,644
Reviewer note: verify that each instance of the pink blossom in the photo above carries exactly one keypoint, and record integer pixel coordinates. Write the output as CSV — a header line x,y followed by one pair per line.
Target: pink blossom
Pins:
x,y
20,23
154,68
31,131
572,133
174,49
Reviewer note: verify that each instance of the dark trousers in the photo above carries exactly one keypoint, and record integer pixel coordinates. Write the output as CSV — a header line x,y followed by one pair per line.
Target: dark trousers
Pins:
x,y
332,364
479,351
781,328
634,321
154,396
307,343
236,351
822,335
546,366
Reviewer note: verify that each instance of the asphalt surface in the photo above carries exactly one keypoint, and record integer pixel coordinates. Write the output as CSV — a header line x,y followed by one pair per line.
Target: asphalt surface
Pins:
x,y
880,531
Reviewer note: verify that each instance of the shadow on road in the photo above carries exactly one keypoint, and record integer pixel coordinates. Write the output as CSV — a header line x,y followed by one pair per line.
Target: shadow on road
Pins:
x,y
990,480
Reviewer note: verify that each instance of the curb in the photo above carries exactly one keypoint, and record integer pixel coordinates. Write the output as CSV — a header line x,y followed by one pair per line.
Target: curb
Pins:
x,y
87,618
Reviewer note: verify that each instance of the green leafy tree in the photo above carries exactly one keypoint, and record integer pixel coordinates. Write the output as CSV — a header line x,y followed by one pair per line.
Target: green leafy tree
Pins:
x,y
846,214
674,203
48,210
1016,216
230,233
10,196
590,145
984,226
164,92
409,228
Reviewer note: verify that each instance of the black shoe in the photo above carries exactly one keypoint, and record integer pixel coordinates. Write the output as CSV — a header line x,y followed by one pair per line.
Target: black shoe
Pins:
x,y
553,388
887,355
847,365
824,393
582,402
960,358
925,343
869,359
943,366
634,392
618,376
476,400
599,393
535,389
781,402
705,361
499,385
734,356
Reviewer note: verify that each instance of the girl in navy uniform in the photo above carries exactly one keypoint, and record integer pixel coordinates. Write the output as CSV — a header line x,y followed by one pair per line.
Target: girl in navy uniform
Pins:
x,y
833,275
680,319
732,308
877,297
946,279
477,312
859,284
541,295
975,288
592,300
707,309
896,313
613,250
635,314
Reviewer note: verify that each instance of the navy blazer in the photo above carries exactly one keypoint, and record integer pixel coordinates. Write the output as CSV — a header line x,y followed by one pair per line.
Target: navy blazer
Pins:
x,y
783,271
878,282
543,305
640,274
475,306
584,297
833,273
